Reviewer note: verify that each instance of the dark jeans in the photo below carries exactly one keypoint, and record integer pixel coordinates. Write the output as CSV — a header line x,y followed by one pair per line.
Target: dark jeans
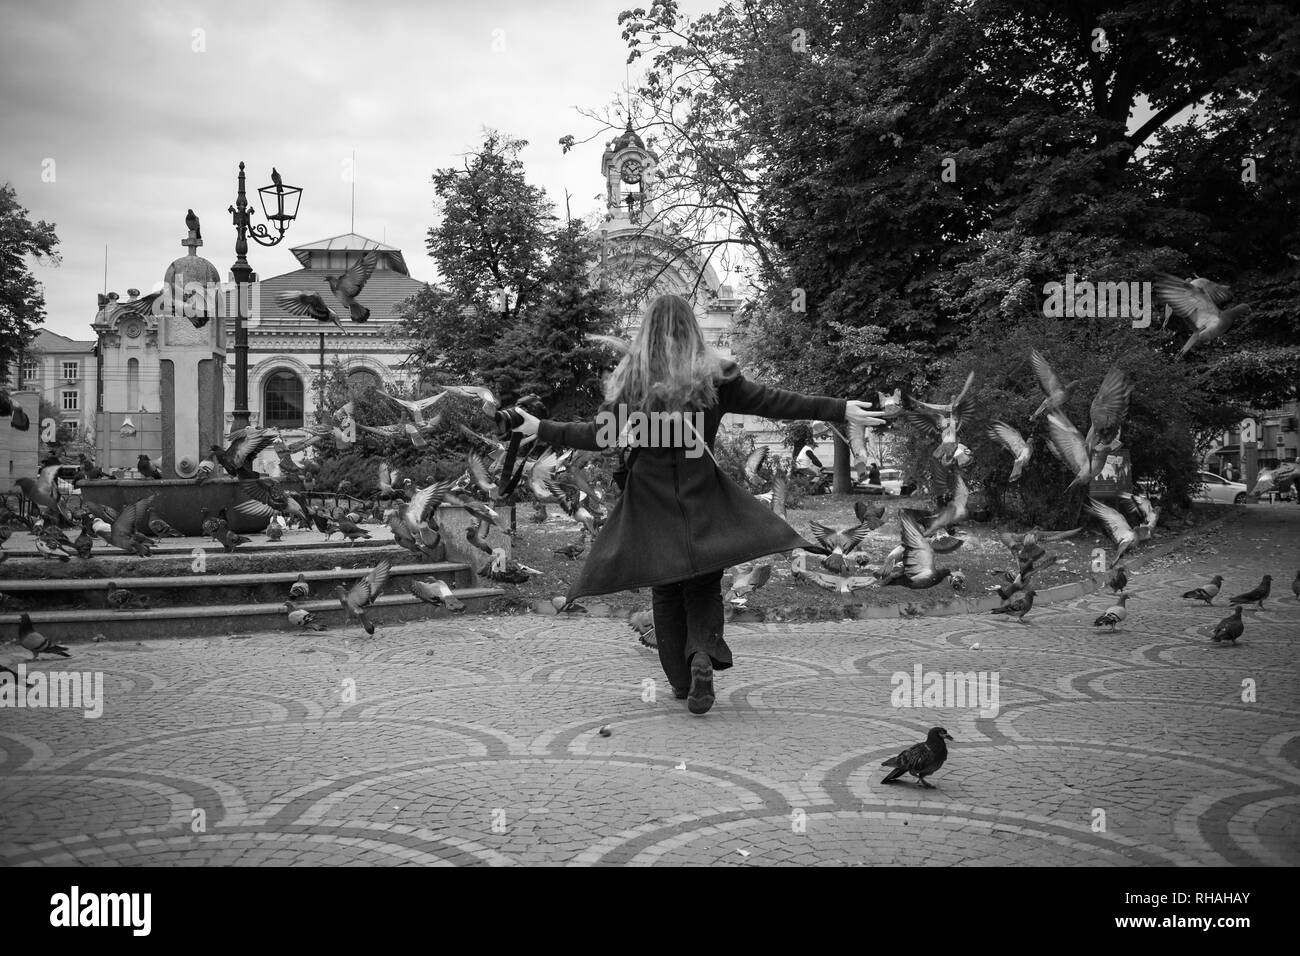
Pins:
x,y
688,620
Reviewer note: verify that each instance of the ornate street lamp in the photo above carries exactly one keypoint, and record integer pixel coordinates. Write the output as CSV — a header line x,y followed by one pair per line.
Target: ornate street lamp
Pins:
x,y
284,199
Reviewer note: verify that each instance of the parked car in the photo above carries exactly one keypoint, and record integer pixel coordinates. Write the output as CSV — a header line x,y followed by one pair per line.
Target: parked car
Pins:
x,y
1219,490
891,483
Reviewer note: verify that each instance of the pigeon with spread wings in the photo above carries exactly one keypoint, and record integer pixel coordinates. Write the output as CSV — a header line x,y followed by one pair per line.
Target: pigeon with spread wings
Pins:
x,y
942,422
1200,303
1119,530
309,304
363,594
1015,443
349,285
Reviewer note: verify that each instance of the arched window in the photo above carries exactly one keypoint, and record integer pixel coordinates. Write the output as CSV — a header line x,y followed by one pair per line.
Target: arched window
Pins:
x,y
362,378
282,400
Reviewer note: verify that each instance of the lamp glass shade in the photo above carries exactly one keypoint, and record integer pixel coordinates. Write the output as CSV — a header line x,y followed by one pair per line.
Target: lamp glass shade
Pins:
x,y
280,203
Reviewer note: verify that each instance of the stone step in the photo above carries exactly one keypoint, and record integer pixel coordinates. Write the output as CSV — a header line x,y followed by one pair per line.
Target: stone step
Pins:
x,y
217,620
224,580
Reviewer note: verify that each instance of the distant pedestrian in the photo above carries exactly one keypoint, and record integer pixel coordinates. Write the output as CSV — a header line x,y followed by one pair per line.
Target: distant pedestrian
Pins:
x,y
1227,471
873,475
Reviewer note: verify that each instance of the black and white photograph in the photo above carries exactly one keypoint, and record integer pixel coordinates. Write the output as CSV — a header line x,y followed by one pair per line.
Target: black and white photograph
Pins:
x,y
714,433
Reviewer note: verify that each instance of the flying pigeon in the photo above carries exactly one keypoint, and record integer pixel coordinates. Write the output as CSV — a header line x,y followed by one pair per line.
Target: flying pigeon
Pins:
x,y
243,450
920,760
1255,595
1108,410
918,558
309,304
942,422
1015,443
1114,614
418,407
36,642
349,285
1230,628
1123,535
363,594
1208,592
1065,442
1200,302
301,618
437,592
871,515
1057,394
837,542
748,578
122,535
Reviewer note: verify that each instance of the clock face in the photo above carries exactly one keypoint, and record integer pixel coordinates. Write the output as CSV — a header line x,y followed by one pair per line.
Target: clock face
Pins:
x,y
631,171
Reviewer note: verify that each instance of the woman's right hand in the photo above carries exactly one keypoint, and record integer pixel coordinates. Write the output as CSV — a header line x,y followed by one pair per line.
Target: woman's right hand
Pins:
x,y
529,424
859,413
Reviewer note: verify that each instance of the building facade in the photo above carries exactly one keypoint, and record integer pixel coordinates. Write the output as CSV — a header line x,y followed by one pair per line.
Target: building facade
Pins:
x,y
64,373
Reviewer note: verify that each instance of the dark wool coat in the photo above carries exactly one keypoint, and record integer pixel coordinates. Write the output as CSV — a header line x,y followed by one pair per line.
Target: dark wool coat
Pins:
x,y
678,516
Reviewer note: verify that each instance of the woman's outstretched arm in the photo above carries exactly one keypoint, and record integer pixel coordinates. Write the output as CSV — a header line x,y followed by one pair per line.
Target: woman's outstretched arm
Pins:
x,y
749,398
583,435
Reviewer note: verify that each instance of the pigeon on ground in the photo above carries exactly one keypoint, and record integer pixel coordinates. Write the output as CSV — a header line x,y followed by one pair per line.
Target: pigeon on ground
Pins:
x,y
51,549
1114,614
274,532
161,529
120,599
1118,579
1230,628
36,642
1015,443
300,589
1018,604
363,593
210,524
350,530
1255,595
437,592
84,543
1119,530
572,551
643,622
301,618
1200,302
920,760
1208,592
1057,394
229,539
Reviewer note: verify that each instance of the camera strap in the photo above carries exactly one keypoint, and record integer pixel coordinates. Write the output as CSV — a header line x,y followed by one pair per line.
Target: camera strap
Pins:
x,y
509,473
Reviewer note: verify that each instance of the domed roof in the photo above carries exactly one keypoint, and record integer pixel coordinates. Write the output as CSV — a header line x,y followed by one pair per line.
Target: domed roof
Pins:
x,y
191,268
629,138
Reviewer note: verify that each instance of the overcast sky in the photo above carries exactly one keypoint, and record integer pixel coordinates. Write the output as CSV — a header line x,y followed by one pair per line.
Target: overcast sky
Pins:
x,y
141,127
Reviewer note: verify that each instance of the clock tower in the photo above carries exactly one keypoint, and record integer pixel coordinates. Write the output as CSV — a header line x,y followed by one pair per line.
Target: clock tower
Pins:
x,y
629,170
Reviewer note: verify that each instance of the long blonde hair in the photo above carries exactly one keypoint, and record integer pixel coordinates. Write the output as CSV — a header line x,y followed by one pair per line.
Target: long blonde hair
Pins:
x,y
668,366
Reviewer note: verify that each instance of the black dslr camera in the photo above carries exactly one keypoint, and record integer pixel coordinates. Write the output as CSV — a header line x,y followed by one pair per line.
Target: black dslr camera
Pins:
x,y
508,419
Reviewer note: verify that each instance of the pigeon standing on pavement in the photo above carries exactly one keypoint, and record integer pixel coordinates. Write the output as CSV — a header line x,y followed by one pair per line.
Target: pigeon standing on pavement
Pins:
x,y
437,593
1206,593
920,760
1255,595
1018,604
301,618
36,642
1114,614
1230,628
1118,579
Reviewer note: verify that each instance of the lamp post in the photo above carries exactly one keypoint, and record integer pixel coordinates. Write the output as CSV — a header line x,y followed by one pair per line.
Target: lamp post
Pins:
x,y
286,199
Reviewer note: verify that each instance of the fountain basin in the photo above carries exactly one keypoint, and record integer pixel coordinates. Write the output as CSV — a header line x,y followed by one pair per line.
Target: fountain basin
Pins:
x,y
180,501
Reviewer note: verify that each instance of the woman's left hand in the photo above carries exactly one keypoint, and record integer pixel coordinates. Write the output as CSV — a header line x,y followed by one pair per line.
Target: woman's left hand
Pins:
x,y
860,413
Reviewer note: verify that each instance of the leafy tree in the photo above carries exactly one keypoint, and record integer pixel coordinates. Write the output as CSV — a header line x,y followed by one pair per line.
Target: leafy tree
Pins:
x,y
22,301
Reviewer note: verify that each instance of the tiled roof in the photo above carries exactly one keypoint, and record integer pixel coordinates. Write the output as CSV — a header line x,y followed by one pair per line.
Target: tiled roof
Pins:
x,y
381,295
52,342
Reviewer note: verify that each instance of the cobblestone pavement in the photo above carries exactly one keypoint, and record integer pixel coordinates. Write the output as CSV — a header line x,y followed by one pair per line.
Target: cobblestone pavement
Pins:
x,y
475,740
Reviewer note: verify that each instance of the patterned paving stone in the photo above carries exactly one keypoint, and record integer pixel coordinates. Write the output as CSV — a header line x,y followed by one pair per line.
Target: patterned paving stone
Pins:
x,y
474,741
